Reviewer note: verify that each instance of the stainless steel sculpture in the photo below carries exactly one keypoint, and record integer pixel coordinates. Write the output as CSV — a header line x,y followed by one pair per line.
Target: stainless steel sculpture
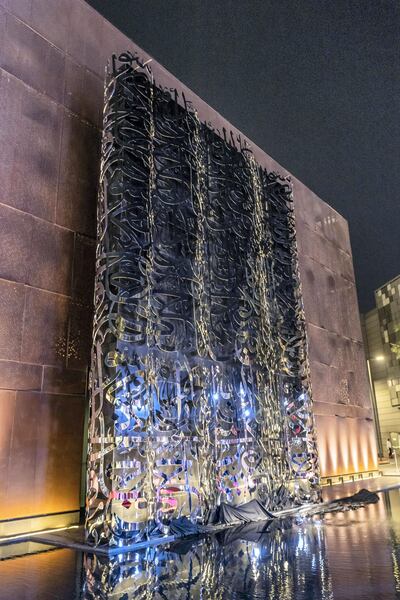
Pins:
x,y
199,387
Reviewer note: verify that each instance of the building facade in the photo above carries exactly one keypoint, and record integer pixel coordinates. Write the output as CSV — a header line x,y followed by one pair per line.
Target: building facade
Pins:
x,y
381,327
52,63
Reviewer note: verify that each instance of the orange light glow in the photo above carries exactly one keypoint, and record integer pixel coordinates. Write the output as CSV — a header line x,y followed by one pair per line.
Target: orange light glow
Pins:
x,y
345,445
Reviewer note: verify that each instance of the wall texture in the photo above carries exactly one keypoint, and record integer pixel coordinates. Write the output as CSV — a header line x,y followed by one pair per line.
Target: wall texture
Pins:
x,y
49,147
342,406
52,57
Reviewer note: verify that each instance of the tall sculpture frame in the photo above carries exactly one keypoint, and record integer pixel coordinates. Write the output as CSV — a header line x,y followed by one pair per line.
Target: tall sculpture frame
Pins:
x,y
200,389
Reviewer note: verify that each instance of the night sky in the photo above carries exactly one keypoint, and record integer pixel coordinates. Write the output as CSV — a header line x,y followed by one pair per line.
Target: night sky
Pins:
x,y
314,83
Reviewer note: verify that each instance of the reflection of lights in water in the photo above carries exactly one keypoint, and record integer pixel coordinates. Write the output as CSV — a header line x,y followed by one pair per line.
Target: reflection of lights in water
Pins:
x,y
302,543
317,523
276,567
396,570
300,520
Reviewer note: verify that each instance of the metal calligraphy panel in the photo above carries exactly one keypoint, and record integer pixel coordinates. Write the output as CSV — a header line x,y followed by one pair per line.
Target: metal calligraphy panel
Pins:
x,y
200,388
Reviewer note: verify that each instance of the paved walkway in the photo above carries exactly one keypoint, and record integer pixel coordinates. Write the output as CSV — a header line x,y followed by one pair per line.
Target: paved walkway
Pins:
x,y
391,469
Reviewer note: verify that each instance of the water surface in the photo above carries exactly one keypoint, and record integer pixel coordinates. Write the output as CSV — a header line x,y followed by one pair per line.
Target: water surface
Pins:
x,y
351,555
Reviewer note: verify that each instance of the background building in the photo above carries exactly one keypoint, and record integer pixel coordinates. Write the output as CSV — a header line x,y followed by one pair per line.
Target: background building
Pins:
x,y
52,61
381,327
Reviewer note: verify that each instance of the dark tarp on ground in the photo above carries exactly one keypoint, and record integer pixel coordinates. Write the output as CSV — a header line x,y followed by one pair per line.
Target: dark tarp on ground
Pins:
x,y
364,496
243,513
358,500
253,519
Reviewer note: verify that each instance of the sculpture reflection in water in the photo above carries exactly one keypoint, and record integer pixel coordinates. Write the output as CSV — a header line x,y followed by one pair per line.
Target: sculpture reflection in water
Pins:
x,y
200,388
240,563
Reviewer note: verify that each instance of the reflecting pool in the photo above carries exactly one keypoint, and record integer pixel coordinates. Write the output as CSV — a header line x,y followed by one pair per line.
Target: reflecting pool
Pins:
x,y
350,555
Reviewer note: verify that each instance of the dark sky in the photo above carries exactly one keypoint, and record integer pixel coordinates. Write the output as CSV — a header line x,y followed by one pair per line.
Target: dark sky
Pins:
x,y
315,83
